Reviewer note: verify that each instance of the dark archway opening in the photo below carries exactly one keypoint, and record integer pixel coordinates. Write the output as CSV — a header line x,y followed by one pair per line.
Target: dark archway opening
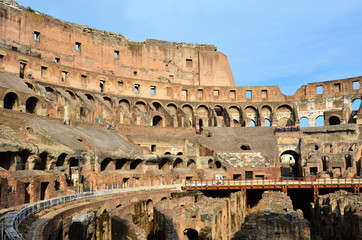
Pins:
x,y
157,106
334,120
290,161
72,163
163,164
218,164
10,100
191,163
157,121
120,164
177,163
348,161
245,147
135,164
191,234
61,160
31,104
43,189
105,163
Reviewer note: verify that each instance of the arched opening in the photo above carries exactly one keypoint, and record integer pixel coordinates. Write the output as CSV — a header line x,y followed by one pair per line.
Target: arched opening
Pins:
x,y
141,106
319,121
325,163
90,97
188,110
108,101
167,153
218,110
31,105
11,100
210,163
348,161
157,106
191,234
162,165
136,164
235,115
179,153
356,104
290,164
172,107
177,163
285,116
304,122
61,160
105,164
157,121
252,116
121,164
203,114
125,104
50,93
245,147
164,198
267,122
40,163
31,86
334,120
72,95
218,164
191,163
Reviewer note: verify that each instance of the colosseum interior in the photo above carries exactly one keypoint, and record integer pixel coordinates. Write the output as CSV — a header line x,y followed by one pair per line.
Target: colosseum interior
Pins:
x,y
105,138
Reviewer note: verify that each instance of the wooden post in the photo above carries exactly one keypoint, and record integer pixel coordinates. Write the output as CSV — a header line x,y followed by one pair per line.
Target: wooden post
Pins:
x,y
315,193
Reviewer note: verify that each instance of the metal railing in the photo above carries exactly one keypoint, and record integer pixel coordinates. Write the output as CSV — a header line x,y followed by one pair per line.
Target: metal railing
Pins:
x,y
273,182
13,219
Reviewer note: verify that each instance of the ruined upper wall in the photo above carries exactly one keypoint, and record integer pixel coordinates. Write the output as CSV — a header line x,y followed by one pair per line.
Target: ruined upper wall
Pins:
x,y
99,51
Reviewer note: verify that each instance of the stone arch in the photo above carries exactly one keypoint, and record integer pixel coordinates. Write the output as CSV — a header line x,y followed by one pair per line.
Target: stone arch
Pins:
x,y
304,122
218,164
356,103
191,234
30,85
172,108
41,162
61,160
189,111
235,114
141,106
319,121
125,104
290,164
191,163
202,111
285,115
90,97
50,93
164,198
135,164
177,163
31,105
219,110
157,121
162,165
334,120
266,113
108,100
210,163
11,101
252,115
267,122
121,163
157,105
71,93
105,164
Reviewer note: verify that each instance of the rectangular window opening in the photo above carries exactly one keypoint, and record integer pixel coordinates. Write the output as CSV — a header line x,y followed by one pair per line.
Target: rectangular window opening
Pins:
x,y
43,71
337,87
137,88
249,94
189,63
120,83
169,91
116,54
319,89
200,93
57,60
236,176
153,148
264,93
64,76
216,93
171,76
77,46
22,70
184,95
83,80
36,36
153,90
102,84
232,94
1,59
355,85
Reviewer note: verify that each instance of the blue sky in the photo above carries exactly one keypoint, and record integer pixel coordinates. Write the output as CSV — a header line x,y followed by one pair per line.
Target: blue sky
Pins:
x,y
281,42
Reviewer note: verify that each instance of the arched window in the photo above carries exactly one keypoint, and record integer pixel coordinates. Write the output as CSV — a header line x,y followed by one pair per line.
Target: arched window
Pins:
x,y
31,105
10,100
334,120
267,122
319,121
356,104
105,163
135,164
157,121
304,122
